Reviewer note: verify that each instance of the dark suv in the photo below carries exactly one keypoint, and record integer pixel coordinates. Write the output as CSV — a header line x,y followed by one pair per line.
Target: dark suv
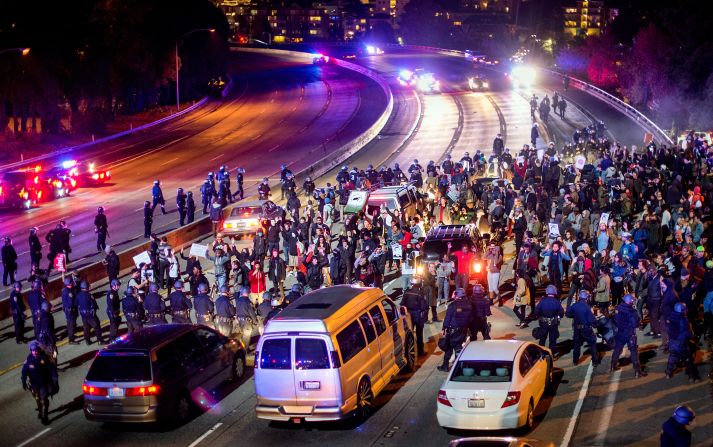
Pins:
x,y
436,245
159,372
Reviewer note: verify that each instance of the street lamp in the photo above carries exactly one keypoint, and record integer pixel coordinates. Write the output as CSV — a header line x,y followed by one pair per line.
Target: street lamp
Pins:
x,y
178,88
23,50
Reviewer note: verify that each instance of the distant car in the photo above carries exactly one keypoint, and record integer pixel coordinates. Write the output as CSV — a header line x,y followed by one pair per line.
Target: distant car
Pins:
x,y
320,59
497,441
160,373
406,78
477,83
373,50
216,87
427,83
18,189
495,384
248,217
84,174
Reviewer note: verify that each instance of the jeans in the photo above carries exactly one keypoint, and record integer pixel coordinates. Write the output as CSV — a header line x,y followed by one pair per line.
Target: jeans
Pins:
x,y
444,286
220,280
462,280
520,312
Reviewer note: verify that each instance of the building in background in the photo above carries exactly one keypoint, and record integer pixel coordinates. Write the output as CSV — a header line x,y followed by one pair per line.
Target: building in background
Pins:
x,y
585,18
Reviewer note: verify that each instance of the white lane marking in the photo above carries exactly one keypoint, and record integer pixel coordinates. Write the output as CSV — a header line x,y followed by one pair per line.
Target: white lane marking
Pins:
x,y
217,156
607,410
34,437
204,435
578,407
169,161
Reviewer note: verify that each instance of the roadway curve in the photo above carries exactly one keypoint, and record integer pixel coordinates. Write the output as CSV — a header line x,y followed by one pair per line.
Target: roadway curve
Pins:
x,y
283,109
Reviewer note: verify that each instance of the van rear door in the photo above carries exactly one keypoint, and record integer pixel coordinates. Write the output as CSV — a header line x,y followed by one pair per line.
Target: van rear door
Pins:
x,y
315,377
274,376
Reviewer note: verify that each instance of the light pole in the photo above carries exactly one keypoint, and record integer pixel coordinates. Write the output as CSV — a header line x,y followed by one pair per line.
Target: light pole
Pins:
x,y
178,84
23,50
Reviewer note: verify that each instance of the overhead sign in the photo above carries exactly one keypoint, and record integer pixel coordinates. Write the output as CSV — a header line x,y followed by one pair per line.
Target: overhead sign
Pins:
x,y
60,263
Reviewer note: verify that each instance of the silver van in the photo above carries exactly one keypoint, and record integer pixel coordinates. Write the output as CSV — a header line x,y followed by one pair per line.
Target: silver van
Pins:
x,y
327,355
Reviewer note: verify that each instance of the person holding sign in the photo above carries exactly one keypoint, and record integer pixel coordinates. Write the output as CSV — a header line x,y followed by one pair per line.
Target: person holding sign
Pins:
x,y
555,266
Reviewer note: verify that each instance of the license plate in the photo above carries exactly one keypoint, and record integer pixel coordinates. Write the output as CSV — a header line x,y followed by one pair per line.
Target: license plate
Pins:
x,y
116,392
311,385
476,403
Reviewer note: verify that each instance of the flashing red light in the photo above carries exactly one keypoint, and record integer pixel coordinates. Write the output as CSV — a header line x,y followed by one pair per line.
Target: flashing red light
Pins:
x,y
73,182
101,175
95,176
108,174
37,179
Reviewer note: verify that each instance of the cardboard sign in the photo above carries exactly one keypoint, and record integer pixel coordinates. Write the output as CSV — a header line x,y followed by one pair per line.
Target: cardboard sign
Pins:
x,y
397,251
579,163
554,229
142,257
356,202
198,250
59,262
604,219
453,193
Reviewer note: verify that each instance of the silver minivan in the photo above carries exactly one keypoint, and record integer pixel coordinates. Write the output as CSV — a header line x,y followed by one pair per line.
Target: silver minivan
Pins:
x,y
328,354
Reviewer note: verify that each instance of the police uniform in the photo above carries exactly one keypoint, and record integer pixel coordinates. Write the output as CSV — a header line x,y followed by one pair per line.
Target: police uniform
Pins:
x,y
239,182
583,322
207,193
458,317
34,300
69,306
481,312
157,196
17,307
113,311
148,221
43,381
417,306
626,320
548,312
88,311
46,329
132,312
225,313
679,333
181,206
204,309
245,317
180,307
155,309
102,227
190,208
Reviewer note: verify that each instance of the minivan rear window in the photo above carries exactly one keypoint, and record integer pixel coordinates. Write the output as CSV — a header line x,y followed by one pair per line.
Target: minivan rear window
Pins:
x,y
311,353
276,354
120,367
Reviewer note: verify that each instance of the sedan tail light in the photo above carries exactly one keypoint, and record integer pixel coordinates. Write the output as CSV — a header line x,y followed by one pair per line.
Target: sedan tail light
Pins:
x,y
150,390
512,398
89,390
443,398
477,267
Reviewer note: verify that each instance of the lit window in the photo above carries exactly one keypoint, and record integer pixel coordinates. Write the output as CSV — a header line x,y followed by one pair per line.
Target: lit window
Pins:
x,y
457,23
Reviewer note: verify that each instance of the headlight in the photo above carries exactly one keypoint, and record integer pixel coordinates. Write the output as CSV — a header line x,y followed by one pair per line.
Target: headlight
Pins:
x,y
228,225
419,270
477,267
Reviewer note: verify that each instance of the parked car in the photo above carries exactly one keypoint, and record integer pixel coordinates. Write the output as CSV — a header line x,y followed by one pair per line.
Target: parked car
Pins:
x,y
327,355
250,216
403,198
156,373
495,384
498,441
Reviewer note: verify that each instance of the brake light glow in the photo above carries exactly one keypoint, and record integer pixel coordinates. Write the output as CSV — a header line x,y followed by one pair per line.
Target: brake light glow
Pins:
x,y
477,267
150,390
512,398
36,179
101,175
91,168
443,398
108,174
95,176
73,182
93,391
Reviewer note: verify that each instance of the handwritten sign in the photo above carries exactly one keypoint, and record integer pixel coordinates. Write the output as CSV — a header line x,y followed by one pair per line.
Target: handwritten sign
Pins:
x,y
60,263
142,257
198,250
540,154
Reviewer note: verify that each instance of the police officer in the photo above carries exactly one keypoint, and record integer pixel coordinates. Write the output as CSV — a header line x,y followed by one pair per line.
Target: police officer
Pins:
x,y
245,316
292,296
101,228
226,182
264,189
455,325
113,308
265,307
583,322
204,306
180,304
626,320
157,196
43,379
34,300
276,309
46,331
154,306
415,301
17,307
132,310
239,183
679,335
548,312
69,306
207,194
674,432
224,311
190,207
481,312
148,219
181,206
88,310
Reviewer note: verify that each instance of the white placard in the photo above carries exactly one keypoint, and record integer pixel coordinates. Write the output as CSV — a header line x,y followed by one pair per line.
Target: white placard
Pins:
x,y
579,163
554,229
397,251
604,220
520,160
142,257
540,154
198,250
453,193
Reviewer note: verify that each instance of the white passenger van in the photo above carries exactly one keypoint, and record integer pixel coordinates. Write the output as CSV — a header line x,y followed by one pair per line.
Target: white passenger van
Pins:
x,y
328,354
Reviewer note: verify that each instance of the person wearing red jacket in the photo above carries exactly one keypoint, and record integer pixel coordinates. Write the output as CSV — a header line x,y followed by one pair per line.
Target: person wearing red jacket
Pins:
x,y
464,257
257,283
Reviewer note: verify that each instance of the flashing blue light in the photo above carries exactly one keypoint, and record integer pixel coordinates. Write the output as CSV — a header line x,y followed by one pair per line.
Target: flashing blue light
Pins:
x,y
69,163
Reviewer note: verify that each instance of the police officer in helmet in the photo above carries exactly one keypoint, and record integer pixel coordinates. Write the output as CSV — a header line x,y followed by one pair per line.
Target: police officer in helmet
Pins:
x,y
548,312
415,301
17,307
113,308
34,300
245,316
674,432
204,306
225,311
69,306
459,315
294,294
481,312
583,322
626,319
154,306
680,334
88,311
180,304
132,310
43,379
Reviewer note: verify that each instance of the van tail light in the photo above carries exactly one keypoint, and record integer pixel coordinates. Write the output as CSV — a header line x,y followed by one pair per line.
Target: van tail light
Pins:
x,y
443,398
150,390
512,398
477,267
108,174
89,390
95,176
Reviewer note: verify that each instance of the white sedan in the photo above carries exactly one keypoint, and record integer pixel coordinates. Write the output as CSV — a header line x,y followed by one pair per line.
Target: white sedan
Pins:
x,y
494,384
